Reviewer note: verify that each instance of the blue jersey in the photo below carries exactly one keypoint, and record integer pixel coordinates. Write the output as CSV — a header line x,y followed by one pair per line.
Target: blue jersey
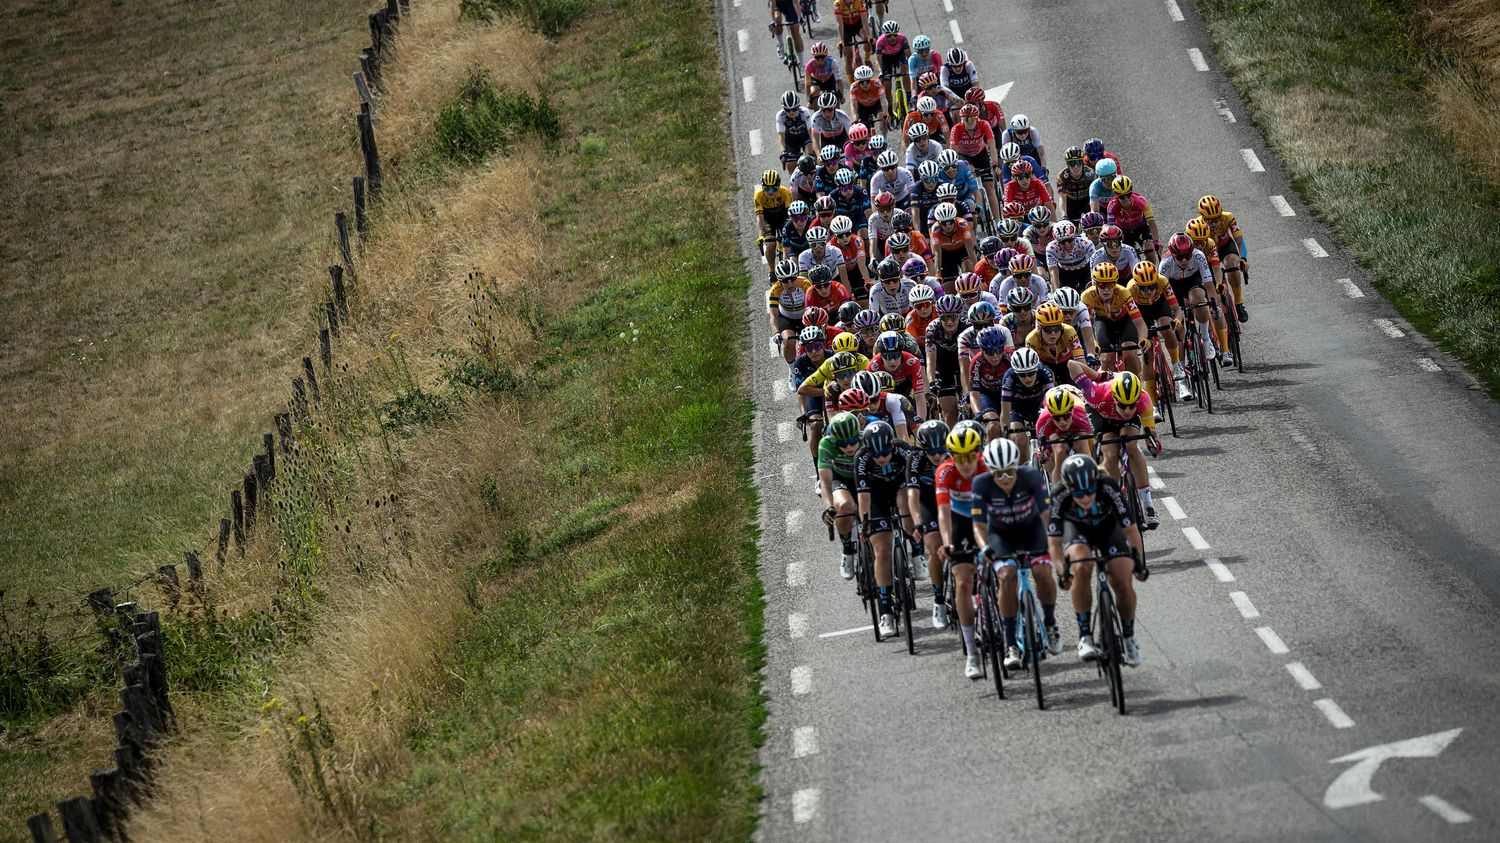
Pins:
x,y
1019,509
964,179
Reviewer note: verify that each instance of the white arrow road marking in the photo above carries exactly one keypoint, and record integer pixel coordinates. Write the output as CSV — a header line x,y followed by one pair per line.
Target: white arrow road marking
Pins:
x,y
1445,809
997,94
1352,787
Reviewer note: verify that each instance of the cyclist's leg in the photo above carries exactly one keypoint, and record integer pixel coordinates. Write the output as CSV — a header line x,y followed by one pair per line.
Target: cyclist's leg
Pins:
x,y
1020,434
1110,441
845,511
1120,568
880,543
1082,591
1139,477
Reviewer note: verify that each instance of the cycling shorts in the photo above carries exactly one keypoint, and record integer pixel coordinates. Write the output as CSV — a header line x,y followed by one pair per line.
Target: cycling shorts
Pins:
x,y
950,263
1154,311
837,140
1136,235
1059,371
841,483
963,540
812,404
1026,411
1077,278
989,402
1112,332
1074,209
1181,287
1228,250
1104,424
980,161
1107,540
929,509
891,66
868,114
944,380
848,32
786,323
1006,542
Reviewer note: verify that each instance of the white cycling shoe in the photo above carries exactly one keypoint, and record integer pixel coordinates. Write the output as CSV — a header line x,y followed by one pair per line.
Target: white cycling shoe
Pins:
x,y
887,626
1054,641
1132,654
973,667
1012,657
1184,392
1226,360
846,566
939,616
1086,649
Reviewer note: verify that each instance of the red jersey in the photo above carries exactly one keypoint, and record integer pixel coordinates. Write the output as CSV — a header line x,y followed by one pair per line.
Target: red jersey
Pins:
x,y
909,369
1033,195
953,489
1047,427
837,294
968,142
1103,401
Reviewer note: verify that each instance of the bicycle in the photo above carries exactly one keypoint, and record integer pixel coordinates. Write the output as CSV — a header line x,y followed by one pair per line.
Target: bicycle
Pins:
x,y
1232,323
809,8
1195,361
864,578
793,62
1161,361
989,632
1031,631
1108,632
903,588
900,99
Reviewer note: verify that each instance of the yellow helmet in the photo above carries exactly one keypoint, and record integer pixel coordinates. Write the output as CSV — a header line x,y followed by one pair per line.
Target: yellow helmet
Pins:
x,y
845,342
770,178
1049,314
1060,401
964,439
1106,273
1210,207
1121,185
1197,228
1126,389
1145,274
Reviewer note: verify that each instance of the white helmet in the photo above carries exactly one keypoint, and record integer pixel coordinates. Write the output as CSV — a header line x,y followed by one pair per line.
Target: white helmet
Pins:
x,y
917,132
945,212
864,73
947,192
841,225
829,99
920,293
887,159
1020,123
1068,299
927,169
1063,229
1010,152
927,105
947,158
1025,359
817,234
1001,454
790,100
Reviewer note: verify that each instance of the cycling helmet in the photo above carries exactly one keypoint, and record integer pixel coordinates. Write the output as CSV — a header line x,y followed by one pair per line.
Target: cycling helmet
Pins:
x,y
1067,299
918,131
807,164
1121,185
793,299
1180,245
829,152
1073,153
786,269
884,199
889,342
947,192
817,235
866,319
974,95
945,212
895,323
854,399
921,294
926,105
1021,168
1002,260
1020,298
1198,229
844,176
887,159
879,437
1091,219
877,141
1025,359
888,268
820,274
1022,263
846,342
927,80
864,73
1094,148
968,284
847,311
843,429
841,225
1210,207
859,132
790,100
1111,232
819,49
886,380
815,317
981,313
950,305
812,333
915,267
828,99
992,339
964,438
932,435
844,362
957,57
1145,274
921,43
901,220
867,383
1010,152
771,178
891,27
1105,273
1126,388
989,246
1060,402
970,111
1008,227
1080,474
1049,314
1020,123
1064,230
1040,215
1002,455
1013,211
928,170
1106,169
947,158
899,242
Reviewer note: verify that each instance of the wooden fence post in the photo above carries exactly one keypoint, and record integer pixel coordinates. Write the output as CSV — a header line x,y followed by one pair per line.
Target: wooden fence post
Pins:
x,y
312,379
341,233
387,30
80,823
340,295
325,350
223,546
252,498
284,430
237,513
393,11
42,830
262,471
369,65
268,442
361,219
371,152
377,36
331,314
108,803
171,586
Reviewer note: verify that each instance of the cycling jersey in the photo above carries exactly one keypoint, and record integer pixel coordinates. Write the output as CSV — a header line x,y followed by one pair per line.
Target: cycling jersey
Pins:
x,y
898,181
1074,187
823,375
773,297
883,301
1016,392
1146,296
1034,194
986,375
801,368
1101,400
804,185
1074,255
892,45
1002,286
1223,229
831,258
1036,167
991,113
963,179
773,205
927,151
850,200
1119,306
1100,191
882,482
908,372
970,142
797,123
916,65
1015,511
837,294
958,79
831,125
794,239
853,250
1066,348
823,72
1125,262
1030,146
1107,510
968,341
954,490
831,457
1047,427
849,11
956,240
868,93
1196,269
916,325
1128,215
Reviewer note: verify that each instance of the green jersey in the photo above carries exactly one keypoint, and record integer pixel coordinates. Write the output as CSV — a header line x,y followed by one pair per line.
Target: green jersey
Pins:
x,y
830,456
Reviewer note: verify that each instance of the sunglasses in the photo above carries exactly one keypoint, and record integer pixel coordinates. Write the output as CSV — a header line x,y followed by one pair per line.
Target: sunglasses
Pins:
x,y
1009,472
821,284
813,346
949,317
1083,492
969,295
965,459
1051,329
879,454
846,443
936,453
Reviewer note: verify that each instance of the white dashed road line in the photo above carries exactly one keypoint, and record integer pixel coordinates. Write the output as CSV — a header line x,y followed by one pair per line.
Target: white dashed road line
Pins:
x,y
796,624
1221,571
1350,288
1389,328
784,431
793,521
1156,481
1314,248
1174,508
755,147
1251,161
801,680
1195,538
948,6
1242,602
958,37
1281,205
805,804
1223,109
1173,12
804,741
779,390
1195,56
1272,641
789,473
1445,809
1427,365
796,574
744,38
850,631
1304,677
1335,715
748,83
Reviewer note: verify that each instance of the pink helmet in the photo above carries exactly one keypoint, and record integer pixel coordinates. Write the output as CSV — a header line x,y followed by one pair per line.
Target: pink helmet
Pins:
x,y
859,132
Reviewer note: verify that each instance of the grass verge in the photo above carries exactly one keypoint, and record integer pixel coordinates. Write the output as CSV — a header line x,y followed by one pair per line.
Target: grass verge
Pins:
x,y
1349,95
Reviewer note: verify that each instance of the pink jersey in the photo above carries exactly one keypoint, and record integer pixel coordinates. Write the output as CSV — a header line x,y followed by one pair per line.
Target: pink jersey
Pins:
x,y
1128,215
1103,401
1046,426
891,45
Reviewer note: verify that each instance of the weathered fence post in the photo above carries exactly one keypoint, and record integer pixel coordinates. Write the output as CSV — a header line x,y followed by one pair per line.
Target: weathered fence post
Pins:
x,y
80,823
171,586
312,379
223,546
252,498
361,219
371,152
41,827
284,430
108,803
369,65
341,233
331,315
268,442
237,513
340,295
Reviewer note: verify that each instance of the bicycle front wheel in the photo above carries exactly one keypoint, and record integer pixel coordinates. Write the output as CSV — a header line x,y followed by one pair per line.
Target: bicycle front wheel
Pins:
x,y
904,591
992,641
1110,651
1033,635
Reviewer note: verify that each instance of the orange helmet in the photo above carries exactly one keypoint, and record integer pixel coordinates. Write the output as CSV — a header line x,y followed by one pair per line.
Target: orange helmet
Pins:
x,y
1210,207
1106,273
1049,315
1145,274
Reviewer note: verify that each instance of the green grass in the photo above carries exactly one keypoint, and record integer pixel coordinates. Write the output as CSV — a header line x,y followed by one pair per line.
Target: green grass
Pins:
x,y
1341,91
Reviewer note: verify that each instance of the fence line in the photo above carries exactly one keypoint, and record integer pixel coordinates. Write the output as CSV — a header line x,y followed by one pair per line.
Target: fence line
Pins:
x,y
146,716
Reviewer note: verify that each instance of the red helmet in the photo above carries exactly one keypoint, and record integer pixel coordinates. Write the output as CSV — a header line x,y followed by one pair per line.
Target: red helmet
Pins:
x,y
815,316
1013,211
1022,262
853,399
927,80
1021,168
819,49
969,110
859,132
885,199
974,95
1111,232
1180,245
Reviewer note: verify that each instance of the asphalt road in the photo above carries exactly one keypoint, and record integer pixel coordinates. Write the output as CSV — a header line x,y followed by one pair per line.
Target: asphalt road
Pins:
x,y
1329,587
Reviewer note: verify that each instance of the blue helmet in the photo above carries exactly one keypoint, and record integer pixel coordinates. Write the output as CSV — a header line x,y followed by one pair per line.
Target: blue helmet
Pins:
x,y
921,43
889,342
1093,148
992,338
981,313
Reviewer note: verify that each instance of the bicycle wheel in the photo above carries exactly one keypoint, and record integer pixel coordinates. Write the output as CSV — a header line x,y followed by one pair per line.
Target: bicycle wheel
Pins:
x,y
1033,637
1110,651
868,587
1211,365
904,588
991,632
1234,346
793,63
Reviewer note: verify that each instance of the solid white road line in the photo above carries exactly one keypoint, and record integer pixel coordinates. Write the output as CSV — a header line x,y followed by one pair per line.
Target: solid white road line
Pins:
x,y
1445,809
737,3
801,680
1251,161
744,40
1195,538
1281,205
1174,508
796,624
1389,328
958,37
805,804
1221,571
1272,641
1195,56
755,141
850,631
1336,716
1314,248
804,741
1426,365
1223,109
779,390
1242,602
793,521
1304,677
948,6
1173,12
1350,288
784,431
796,574
748,83
789,473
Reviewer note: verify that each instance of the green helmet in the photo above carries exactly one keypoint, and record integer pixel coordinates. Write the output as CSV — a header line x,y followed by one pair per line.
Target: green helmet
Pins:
x,y
844,427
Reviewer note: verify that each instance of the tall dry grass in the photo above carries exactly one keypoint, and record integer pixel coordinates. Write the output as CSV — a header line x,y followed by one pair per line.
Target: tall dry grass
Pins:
x,y
1466,95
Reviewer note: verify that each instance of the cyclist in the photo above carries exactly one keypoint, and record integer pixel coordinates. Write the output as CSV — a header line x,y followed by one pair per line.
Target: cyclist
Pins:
x,y
1076,316
923,311
928,113
1021,396
812,343
1038,232
849,199
803,182
892,294
854,34
1112,249
1073,182
1021,133
880,471
1089,512
822,74
1186,269
922,60
892,178
932,438
1092,222
1022,274
785,11
772,209
847,313
1029,191
820,252
973,139
921,146
1099,192
830,126
857,153
866,325
954,480
1230,244
989,264
1132,213
970,288
989,112
1119,407
1064,414
1068,256
893,49
825,292
882,405
981,315
1158,306
940,344
894,356
1010,154
955,170
868,96
836,482
1054,342
1117,321
1094,152
793,127
784,305
1012,509
878,228
952,242
1019,319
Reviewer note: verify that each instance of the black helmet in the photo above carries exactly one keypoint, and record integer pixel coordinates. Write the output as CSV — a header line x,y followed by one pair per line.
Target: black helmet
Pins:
x,y
819,274
1080,472
989,246
878,436
888,269
932,435
807,164
847,311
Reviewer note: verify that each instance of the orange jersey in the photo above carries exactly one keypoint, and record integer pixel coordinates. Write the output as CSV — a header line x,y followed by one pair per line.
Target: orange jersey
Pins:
x,y
986,270
916,325
1119,306
854,249
850,11
956,240
1222,229
1146,296
868,93
937,124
